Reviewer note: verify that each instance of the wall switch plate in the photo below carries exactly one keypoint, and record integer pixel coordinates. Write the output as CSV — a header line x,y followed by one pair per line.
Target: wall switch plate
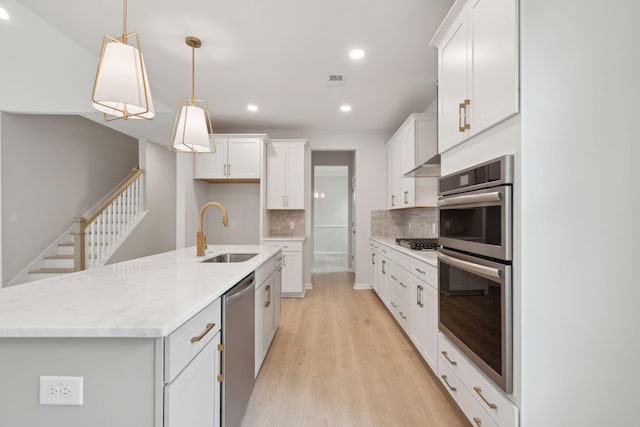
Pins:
x,y
61,391
292,224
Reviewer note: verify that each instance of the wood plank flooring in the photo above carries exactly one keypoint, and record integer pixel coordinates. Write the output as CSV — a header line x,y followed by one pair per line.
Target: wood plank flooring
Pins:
x,y
340,360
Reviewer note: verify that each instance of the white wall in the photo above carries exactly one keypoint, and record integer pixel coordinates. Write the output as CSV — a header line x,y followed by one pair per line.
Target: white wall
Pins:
x,y
580,231
331,214
54,169
156,232
242,202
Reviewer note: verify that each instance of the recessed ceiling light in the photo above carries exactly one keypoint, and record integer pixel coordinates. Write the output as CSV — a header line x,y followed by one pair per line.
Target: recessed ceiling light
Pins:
x,y
4,15
252,107
345,108
356,54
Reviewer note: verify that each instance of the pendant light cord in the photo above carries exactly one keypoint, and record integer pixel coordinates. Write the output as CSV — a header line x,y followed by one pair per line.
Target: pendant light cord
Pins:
x,y
124,24
193,75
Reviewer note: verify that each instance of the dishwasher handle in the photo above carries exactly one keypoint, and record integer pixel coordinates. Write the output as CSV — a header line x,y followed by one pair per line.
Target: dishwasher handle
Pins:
x,y
239,290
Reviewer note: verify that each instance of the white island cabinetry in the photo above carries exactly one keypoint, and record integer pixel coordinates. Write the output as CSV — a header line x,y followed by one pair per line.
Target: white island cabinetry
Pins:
x,y
267,307
143,334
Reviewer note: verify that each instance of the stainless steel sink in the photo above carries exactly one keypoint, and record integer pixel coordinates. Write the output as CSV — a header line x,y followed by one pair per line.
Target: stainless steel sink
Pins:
x,y
230,257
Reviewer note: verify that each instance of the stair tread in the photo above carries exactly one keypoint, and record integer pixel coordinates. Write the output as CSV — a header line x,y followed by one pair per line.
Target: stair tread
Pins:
x,y
53,270
60,257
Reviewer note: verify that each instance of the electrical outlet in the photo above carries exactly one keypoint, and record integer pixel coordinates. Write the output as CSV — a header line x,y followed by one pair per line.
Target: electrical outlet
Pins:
x,y
292,224
61,390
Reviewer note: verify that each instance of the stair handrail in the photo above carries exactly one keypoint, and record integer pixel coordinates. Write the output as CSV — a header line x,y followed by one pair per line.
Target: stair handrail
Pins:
x,y
84,222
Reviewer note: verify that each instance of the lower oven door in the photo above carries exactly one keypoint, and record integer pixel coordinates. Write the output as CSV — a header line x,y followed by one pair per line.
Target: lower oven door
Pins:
x,y
474,311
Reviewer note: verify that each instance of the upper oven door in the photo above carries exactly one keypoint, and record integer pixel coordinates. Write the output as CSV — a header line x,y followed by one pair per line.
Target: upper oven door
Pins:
x,y
478,222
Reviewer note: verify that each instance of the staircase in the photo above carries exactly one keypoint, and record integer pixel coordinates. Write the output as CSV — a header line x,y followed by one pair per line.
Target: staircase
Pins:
x,y
93,238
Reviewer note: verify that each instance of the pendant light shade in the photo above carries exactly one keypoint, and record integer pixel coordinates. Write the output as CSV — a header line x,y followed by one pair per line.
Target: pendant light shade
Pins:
x,y
121,88
192,130
191,133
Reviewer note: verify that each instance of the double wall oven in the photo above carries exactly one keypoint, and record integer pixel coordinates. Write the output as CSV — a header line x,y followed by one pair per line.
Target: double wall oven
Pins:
x,y
475,263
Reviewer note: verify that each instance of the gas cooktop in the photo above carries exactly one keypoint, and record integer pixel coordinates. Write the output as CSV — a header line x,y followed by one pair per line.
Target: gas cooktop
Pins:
x,y
430,244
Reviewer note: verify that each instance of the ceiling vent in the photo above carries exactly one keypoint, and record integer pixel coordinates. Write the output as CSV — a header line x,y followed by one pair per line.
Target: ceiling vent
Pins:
x,y
336,79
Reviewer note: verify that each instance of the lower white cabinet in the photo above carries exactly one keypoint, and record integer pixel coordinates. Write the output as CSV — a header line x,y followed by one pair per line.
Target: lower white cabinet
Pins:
x,y
192,391
193,398
424,314
267,307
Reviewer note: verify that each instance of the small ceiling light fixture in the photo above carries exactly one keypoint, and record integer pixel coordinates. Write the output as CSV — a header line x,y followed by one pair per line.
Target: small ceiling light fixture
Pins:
x,y
121,89
192,130
345,108
356,54
4,15
252,107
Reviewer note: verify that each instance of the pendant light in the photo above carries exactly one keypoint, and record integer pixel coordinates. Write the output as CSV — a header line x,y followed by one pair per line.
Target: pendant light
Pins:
x,y
121,89
192,130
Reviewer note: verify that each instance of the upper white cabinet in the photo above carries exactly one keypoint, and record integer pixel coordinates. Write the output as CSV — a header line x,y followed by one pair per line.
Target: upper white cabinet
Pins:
x,y
412,144
236,158
478,73
286,174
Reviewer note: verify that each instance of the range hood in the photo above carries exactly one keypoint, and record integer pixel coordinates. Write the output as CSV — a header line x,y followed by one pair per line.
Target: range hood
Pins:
x,y
430,168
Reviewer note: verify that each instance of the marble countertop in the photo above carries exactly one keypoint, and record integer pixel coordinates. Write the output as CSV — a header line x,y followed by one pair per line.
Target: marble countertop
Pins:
x,y
144,297
430,257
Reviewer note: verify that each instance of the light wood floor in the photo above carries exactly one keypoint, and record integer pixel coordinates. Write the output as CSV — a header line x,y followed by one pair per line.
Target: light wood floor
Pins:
x,y
339,360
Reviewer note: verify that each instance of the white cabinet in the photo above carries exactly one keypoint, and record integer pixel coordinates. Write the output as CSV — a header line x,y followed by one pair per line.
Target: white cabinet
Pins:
x,y
292,283
236,158
286,174
193,398
267,307
478,73
424,311
412,144
192,363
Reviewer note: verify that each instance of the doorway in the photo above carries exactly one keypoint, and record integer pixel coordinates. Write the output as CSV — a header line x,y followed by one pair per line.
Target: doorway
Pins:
x,y
332,205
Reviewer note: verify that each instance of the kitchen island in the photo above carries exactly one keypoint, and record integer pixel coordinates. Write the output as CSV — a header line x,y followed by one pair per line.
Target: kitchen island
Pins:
x,y
139,333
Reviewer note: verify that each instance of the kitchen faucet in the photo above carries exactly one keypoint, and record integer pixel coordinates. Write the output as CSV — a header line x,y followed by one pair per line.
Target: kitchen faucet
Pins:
x,y
201,238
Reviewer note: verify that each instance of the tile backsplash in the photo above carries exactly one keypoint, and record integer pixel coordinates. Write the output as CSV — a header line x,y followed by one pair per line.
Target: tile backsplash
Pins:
x,y
279,223
404,223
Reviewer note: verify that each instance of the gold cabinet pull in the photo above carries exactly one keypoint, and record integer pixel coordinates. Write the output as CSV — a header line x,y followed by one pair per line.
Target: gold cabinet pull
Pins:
x,y
479,391
446,356
418,295
403,316
210,326
394,304
393,200
460,124
406,196
444,377
420,271
403,285
373,259
383,263
478,421
229,169
466,125
420,289
268,291
220,377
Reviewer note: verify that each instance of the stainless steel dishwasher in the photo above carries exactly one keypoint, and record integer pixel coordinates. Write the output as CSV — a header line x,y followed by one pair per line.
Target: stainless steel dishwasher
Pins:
x,y
238,332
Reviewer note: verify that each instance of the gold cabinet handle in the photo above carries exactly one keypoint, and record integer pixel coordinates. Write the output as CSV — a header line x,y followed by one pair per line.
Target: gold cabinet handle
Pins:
x,y
420,271
403,316
460,124
446,356
225,170
406,197
403,285
478,422
420,288
221,374
210,326
268,291
466,125
444,377
394,304
383,263
479,391
394,277
373,259
229,169
393,200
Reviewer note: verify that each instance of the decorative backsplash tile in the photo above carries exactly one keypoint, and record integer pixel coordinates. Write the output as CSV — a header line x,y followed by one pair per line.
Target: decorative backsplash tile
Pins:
x,y
404,223
279,223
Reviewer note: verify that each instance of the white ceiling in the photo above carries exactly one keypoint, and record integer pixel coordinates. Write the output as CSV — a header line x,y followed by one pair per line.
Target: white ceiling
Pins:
x,y
276,54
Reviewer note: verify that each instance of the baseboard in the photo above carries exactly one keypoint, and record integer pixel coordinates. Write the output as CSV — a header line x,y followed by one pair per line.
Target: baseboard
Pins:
x,y
360,286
